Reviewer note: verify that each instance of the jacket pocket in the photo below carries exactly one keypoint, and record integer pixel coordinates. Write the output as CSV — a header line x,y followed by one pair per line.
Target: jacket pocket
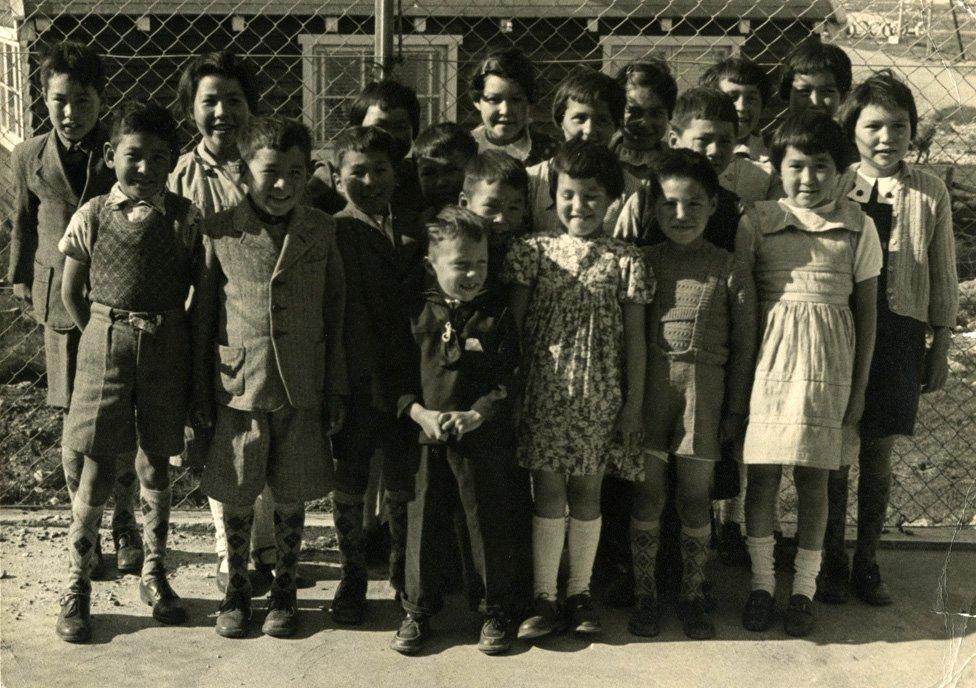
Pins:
x,y
230,369
41,291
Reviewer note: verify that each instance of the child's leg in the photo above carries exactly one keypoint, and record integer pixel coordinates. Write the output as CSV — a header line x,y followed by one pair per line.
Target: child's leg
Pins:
x,y
263,532
811,493
873,491
237,523
289,525
693,502
156,498
645,524
584,530
93,489
125,494
834,552
761,495
548,529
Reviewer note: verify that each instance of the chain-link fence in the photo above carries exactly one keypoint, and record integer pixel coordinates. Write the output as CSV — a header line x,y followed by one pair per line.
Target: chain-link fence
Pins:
x,y
313,56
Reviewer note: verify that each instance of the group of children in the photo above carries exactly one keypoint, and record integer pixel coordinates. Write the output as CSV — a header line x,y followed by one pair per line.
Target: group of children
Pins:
x,y
509,321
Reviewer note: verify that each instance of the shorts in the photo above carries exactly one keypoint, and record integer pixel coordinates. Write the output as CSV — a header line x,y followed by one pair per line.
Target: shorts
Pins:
x,y
131,388
60,361
683,407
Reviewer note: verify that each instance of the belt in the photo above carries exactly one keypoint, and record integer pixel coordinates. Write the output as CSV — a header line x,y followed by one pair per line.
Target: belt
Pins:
x,y
145,321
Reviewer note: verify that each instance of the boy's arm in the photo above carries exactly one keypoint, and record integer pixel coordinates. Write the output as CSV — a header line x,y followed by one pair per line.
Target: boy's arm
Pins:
x,y
203,325
333,315
743,333
74,285
505,370
23,231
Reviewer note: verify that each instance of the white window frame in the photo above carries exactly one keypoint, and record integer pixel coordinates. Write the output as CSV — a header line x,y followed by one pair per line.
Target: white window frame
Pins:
x,y
13,125
613,45
446,44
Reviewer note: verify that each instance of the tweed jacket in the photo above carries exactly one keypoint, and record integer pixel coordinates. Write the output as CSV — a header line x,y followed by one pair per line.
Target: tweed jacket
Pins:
x,y
269,322
44,203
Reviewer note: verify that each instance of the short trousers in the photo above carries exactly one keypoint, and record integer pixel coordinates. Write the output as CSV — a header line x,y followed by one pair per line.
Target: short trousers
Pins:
x,y
60,360
683,407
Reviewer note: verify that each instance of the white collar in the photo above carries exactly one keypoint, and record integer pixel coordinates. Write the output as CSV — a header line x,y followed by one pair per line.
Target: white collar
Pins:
x,y
117,198
518,149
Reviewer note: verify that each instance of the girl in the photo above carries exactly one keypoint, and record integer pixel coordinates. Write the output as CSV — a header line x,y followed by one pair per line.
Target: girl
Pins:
x,y
580,296
916,291
651,94
815,262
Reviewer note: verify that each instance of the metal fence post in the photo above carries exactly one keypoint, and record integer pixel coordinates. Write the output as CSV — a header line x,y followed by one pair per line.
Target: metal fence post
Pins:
x,y
383,38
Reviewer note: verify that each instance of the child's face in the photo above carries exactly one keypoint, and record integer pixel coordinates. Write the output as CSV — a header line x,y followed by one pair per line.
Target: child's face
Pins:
x,y
683,209
581,205
461,267
712,138
141,162
504,109
441,178
808,179
588,122
748,105
276,179
220,111
815,92
367,181
645,118
499,202
395,122
72,107
882,137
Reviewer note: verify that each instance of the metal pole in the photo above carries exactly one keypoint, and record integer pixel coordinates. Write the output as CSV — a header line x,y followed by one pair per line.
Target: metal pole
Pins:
x,y
383,38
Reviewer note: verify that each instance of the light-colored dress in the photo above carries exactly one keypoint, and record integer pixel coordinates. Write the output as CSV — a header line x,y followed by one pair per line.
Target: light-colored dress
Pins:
x,y
805,264
573,346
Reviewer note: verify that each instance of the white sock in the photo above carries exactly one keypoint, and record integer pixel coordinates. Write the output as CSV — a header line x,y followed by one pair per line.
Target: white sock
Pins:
x,y
807,565
584,537
763,571
548,537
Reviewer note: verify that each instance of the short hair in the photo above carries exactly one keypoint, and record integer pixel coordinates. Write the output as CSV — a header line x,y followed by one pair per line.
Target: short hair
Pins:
x,y
492,166
509,64
703,103
440,140
136,116
810,133
738,70
274,132
224,64
81,63
884,90
456,223
812,57
364,140
684,163
387,95
653,74
580,159
590,87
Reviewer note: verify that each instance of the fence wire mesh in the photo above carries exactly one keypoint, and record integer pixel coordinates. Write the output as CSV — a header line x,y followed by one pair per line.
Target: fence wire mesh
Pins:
x,y
314,56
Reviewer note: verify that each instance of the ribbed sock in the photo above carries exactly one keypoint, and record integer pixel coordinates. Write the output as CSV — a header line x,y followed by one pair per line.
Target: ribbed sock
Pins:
x,y
548,537
694,554
644,539
584,537
289,522
761,555
82,535
155,528
807,565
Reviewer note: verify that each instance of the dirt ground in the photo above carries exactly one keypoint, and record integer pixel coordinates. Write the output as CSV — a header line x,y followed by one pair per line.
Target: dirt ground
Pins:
x,y
921,641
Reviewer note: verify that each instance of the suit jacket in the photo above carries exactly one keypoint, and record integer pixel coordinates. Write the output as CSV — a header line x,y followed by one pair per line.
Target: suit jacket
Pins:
x,y
267,323
45,203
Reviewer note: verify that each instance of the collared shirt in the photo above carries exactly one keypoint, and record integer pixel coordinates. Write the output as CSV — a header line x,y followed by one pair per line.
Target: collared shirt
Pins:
x,y
753,148
212,186
76,156
886,186
383,224
751,180
518,149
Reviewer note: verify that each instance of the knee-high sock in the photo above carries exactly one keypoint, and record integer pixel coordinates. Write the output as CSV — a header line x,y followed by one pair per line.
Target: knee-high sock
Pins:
x,y
125,494
155,528
584,536
548,537
761,555
694,553
349,533
82,535
289,522
237,522
644,539
397,512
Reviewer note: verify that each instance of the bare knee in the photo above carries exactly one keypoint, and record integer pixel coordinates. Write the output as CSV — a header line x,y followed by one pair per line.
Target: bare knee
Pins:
x,y
584,497
549,495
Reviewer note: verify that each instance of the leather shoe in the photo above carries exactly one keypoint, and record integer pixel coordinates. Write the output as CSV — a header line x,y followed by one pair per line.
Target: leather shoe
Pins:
x,y
349,603
867,585
128,552
167,607
410,637
282,618
759,611
233,616
74,620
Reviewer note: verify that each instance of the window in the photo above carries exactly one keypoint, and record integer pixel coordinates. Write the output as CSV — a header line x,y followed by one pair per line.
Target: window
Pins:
x,y
688,56
335,68
13,125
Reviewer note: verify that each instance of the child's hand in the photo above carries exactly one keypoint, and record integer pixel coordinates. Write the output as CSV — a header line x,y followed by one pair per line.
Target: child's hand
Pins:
x,y
335,410
732,427
459,423
855,409
22,292
629,427
429,422
937,362
201,415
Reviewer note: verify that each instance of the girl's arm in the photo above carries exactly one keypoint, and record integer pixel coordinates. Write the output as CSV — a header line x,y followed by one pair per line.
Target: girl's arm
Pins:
x,y
943,296
635,357
518,299
864,305
74,284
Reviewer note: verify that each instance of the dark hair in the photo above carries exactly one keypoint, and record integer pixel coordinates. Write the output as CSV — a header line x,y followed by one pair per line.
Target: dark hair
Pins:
x,y
581,159
507,64
883,90
653,74
812,57
590,87
456,223
811,134
439,140
364,140
274,132
134,116
703,103
492,166
740,71
387,95
684,163
81,63
223,64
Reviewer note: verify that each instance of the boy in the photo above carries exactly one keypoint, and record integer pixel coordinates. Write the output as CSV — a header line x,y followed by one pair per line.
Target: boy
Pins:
x,y
53,175
816,76
270,303
651,92
383,272
441,151
130,258
749,175
458,393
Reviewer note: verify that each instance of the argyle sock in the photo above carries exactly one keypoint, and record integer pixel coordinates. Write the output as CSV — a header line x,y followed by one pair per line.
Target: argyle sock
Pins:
x,y
237,523
397,511
349,533
125,493
644,539
761,555
694,553
72,462
289,522
583,538
155,528
82,535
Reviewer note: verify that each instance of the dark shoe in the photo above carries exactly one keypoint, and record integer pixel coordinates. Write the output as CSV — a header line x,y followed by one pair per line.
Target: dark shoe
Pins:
x,y
128,552
410,637
496,635
645,620
732,548
798,619
233,616
167,607
546,618
759,612
616,588
696,621
282,618
98,570
867,585
832,582
74,620
582,614
349,603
